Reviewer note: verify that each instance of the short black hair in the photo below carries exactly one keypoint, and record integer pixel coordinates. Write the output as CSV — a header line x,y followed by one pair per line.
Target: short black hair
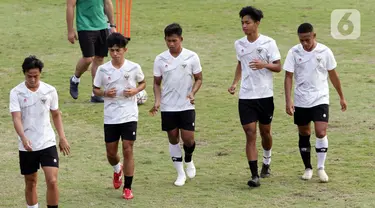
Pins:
x,y
32,62
116,39
253,12
305,28
173,29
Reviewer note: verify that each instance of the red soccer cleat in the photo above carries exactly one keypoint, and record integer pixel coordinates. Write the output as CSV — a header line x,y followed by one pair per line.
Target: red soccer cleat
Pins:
x,y
117,179
127,194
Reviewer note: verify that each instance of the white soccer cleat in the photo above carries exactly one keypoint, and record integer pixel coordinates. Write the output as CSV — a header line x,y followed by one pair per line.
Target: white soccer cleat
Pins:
x,y
180,181
190,169
307,175
322,175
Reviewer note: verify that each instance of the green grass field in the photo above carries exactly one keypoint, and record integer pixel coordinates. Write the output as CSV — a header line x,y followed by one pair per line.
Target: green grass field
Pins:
x,y
210,28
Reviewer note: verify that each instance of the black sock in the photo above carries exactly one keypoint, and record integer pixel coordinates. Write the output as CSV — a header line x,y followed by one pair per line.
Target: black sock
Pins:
x,y
254,168
305,150
128,182
189,152
54,206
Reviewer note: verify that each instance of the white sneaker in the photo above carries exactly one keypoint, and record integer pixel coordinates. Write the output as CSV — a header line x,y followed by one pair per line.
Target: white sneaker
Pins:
x,y
190,169
180,181
322,175
308,174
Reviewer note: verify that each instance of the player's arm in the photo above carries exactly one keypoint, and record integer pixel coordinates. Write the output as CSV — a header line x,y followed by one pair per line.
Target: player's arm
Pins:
x,y
157,95
70,5
198,82
288,83
237,77
57,121
17,123
275,66
108,9
333,76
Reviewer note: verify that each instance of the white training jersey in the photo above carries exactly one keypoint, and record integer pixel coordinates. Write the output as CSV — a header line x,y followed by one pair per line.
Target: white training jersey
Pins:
x,y
310,74
177,79
256,84
119,109
35,114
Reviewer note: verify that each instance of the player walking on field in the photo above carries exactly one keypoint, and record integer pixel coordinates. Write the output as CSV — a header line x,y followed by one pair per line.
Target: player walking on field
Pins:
x,y
311,63
30,105
177,67
258,58
119,79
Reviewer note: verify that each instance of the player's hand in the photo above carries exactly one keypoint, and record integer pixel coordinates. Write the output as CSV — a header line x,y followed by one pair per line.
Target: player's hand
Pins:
x,y
191,97
64,146
110,93
72,36
113,30
131,92
154,110
27,144
232,89
257,64
343,104
289,108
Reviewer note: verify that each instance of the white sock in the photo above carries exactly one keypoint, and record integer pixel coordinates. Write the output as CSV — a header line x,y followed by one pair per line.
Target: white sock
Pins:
x,y
92,94
75,79
33,206
176,154
321,148
117,168
267,156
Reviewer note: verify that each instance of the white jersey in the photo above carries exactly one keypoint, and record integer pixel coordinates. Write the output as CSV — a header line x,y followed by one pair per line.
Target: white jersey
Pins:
x,y
35,114
178,75
256,84
119,109
310,74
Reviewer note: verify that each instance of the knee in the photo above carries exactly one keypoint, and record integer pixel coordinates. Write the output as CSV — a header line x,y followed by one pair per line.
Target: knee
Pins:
x,y
98,59
127,149
88,60
321,133
111,154
265,134
31,183
52,182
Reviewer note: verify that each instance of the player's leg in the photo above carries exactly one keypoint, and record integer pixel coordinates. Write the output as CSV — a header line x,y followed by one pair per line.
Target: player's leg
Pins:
x,y
267,107
187,127
321,146
248,118
112,134
86,42
49,161
302,118
128,135
101,51
170,125
29,165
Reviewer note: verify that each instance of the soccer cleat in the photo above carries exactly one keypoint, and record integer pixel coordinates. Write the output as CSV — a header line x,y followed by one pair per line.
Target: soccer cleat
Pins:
x,y
180,181
127,194
322,175
190,169
254,182
307,175
266,171
117,179
96,99
73,88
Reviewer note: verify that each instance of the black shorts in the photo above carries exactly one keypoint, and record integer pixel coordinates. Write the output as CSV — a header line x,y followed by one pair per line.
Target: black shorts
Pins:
x,y
178,119
30,162
252,110
127,131
93,43
303,116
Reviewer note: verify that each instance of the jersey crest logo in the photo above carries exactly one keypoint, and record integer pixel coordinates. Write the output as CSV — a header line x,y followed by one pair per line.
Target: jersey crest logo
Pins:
x,y
43,99
184,65
166,66
126,76
109,78
259,50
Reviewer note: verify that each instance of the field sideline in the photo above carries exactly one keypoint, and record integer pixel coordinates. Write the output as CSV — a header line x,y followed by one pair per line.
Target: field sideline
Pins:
x,y
210,28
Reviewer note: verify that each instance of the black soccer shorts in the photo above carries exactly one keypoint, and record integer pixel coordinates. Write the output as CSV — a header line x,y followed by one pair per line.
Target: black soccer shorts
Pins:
x,y
252,110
